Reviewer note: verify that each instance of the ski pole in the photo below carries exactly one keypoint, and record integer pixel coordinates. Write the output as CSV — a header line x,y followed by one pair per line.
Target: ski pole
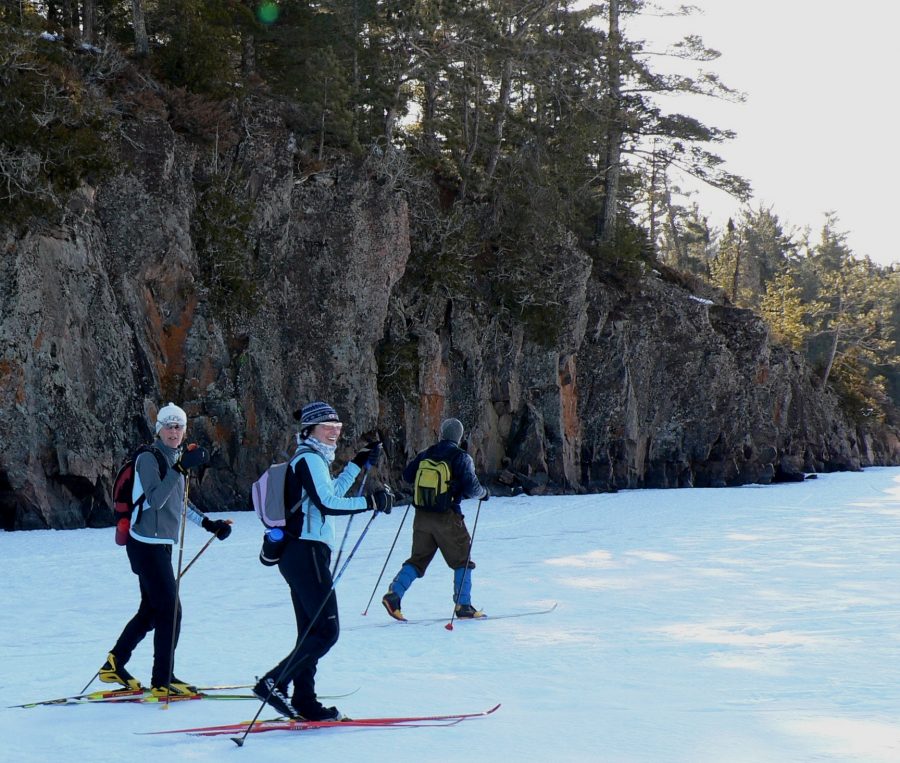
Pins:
x,y
391,551
89,683
350,521
197,555
188,566
187,486
449,626
239,741
343,541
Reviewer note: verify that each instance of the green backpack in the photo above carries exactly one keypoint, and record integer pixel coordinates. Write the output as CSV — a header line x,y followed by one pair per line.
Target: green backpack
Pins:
x,y
431,490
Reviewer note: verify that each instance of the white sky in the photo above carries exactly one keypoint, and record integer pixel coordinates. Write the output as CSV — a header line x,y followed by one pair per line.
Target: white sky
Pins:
x,y
816,132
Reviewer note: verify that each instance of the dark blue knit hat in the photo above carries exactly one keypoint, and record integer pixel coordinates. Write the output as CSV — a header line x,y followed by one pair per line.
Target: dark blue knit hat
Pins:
x,y
316,413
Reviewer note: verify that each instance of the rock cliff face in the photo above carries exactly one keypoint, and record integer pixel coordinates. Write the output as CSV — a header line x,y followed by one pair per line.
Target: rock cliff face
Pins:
x,y
689,393
113,313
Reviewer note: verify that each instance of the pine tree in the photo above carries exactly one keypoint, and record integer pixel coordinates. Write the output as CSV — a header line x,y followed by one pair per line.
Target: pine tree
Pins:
x,y
767,250
783,309
725,268
201,42
854,309
141,41
686,242
615,127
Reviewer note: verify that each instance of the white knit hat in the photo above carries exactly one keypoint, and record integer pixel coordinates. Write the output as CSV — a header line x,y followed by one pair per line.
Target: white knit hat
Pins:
x,y
170,414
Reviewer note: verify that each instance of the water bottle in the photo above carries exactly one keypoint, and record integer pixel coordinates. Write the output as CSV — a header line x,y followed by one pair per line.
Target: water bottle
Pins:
x,y
272,547
122,528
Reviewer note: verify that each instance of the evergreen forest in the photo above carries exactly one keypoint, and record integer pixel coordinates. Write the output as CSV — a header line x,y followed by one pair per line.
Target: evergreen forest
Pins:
x,y
528,119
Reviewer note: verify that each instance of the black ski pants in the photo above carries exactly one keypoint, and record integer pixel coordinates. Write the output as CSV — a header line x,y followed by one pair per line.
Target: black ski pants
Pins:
x,y
152,563
305,566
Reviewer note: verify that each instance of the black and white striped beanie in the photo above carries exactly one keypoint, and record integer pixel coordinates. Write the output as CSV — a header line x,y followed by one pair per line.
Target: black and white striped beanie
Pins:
x,y
315,413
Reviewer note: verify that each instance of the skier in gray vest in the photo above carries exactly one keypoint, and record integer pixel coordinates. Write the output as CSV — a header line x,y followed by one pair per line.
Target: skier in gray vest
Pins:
x,y
160,476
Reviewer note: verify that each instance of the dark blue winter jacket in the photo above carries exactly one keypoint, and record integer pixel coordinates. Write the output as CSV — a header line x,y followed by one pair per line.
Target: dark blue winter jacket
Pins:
x,y
463,480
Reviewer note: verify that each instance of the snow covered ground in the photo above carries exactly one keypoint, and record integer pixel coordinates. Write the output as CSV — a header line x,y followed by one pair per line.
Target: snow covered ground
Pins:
x,y
744,624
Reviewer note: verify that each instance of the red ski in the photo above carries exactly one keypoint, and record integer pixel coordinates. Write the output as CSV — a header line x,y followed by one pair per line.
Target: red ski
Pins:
x,y
287,725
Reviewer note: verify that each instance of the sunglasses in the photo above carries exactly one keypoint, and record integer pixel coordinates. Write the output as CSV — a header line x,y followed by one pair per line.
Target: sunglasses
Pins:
x,y
173,426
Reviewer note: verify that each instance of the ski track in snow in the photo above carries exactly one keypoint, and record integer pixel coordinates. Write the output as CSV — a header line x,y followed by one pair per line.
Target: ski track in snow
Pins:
x,y
694,626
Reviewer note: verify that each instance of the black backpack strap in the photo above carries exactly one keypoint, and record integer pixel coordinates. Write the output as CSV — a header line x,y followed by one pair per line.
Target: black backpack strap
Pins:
x,y
294,488
161,463
453,461
303,450
292,475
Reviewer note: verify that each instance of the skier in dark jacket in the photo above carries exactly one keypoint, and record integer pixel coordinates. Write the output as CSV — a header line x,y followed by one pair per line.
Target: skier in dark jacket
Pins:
x,y
442,530
159,476
306,558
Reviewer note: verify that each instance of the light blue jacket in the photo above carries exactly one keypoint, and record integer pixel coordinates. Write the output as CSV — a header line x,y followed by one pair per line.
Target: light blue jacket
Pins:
x,y
323,496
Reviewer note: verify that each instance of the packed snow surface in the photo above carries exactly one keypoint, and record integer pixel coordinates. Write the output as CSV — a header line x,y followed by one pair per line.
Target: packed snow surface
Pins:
x,y
747,624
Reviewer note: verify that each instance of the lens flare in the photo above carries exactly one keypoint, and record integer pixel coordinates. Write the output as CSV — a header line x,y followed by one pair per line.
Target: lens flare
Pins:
x,y
267,13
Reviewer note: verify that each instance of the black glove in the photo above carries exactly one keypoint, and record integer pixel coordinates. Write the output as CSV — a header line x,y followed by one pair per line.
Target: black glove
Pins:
x,y
486,496
191,458
368,456
381,500
218,527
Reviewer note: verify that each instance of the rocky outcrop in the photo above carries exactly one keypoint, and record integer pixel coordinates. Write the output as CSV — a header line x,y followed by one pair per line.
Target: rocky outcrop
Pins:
x,y
107,318
125,307
692,393
653,386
